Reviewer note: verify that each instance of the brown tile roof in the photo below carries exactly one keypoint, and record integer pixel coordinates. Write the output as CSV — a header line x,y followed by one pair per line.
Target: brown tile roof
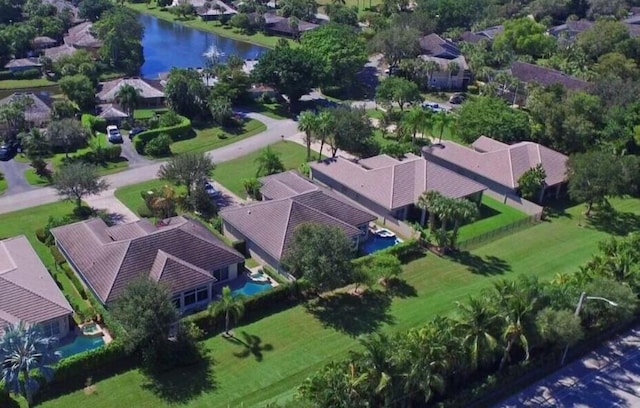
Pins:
x,y
487,144
110,111
436,46
177,274
526,72
55,53
271,224
148,89
506,165
23,63
393,183
109,258
43,41
81,36
39,109
286,184
27,290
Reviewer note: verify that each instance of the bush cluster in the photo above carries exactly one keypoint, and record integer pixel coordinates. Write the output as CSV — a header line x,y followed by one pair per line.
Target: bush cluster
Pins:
x,y
28,74
174,132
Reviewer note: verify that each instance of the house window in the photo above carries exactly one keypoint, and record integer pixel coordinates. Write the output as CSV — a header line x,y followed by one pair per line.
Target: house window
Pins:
x,y
189,298
50,329
221,274
202,293
176,301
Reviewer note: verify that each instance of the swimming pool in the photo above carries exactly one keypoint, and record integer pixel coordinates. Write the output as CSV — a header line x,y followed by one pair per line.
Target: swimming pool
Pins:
x,y
80,344
376,243
251,288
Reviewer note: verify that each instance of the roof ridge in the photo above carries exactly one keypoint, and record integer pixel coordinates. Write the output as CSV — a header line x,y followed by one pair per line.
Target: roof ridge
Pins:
x,y
286,229
513,183
181,261
32,292
323,213
119,266
6,250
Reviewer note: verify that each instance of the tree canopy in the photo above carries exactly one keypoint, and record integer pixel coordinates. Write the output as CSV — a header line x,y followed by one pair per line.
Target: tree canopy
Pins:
x,y
78,180
187,169
186,93
121,35
492,117
525,37
397,90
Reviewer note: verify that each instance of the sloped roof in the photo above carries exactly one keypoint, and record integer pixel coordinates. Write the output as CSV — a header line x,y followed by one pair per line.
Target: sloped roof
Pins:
x,y
37,111
81,36
393,183
110,258
503,165
271,224
526,72
443,63
574,27
27,290
436,46
55,53
23,63
43,41
109,111
286,184
147,89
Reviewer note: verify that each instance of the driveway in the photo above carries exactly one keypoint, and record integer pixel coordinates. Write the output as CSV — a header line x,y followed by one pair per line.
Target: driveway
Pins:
x,y
129,152
606,377
118,212
13,172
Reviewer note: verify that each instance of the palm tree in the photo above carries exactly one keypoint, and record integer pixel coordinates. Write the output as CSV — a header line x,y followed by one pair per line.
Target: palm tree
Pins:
x,y
308,123
430,67
128,97
417,119
164,202
25,351
35,143
268,163
463,210
442,120
478,325
325,122
376,361
453,68
430,201
232,307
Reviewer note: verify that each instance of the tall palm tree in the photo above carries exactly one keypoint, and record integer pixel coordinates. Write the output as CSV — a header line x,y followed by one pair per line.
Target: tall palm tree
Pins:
x,y
35,143
325,122
430,67
232,307
129,98
478,325
453,68
430,201
308,123
462,211
164,202
377,362
417,119
442,120
25,351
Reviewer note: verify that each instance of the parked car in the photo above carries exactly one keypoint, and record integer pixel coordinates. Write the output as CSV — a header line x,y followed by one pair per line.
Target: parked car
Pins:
x,y
211,190
457,99
9,149
432,106
135,131
113,134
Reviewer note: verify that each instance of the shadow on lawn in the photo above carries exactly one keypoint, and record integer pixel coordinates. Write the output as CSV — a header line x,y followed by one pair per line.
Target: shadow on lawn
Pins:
x,y
488,265
353,315
614,222
252,346
8,402
400,288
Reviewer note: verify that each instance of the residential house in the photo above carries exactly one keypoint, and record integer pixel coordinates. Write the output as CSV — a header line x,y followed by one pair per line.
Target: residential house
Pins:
x,y
530,73
28,292
488,34
498,166
43,42
63,6
179,252
390,187
290,200
446,55
278,25
38,110
82,37
570,30
151,94
55,53
23,64
215,10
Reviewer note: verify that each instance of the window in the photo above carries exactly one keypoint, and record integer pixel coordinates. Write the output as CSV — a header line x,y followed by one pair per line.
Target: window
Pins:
x,y
176,301
50,329
189,298
202,293
221,274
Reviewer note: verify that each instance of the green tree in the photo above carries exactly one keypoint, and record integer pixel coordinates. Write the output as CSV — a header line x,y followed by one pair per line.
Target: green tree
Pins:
x,y
268,163
492,117
121,35
308,123
525,37
12,114
80,90
601,38
351,131
559,327
478,325
129,98
93,9
294,72
35,143
66,134
383,267
78,180
187,169
325,129
338,384
341,14
232,307
531,181
221,110
300,9
397,90
396,43
321,254
441,121
146,312
431,201
25,352
418,120
252,187
62,110
618,65
463,211
186,93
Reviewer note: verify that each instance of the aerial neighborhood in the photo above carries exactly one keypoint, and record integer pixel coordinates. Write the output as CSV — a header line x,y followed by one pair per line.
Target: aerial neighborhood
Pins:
x,y
319,204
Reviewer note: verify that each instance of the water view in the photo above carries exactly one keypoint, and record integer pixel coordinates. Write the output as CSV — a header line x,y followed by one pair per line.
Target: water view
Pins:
x,y
168,45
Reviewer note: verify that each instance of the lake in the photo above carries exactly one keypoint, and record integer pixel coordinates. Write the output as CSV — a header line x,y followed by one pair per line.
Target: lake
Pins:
x,y
168,45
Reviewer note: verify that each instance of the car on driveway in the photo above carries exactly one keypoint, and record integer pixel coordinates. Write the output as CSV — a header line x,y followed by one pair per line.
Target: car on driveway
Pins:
x,y
211,190
457,99
135,131
8,150
434,107
113,134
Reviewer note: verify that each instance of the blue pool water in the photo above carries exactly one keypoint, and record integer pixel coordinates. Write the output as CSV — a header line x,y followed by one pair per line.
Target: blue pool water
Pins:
x,y
375,243
80,344
251,288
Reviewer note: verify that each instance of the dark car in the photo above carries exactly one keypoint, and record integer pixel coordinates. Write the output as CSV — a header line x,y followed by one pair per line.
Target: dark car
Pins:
x,y
135,131
8,150
211,190
457,99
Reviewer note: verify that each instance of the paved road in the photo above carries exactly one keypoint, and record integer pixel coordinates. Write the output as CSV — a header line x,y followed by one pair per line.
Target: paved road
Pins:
x,y
13,172
607,377
276,130
129,153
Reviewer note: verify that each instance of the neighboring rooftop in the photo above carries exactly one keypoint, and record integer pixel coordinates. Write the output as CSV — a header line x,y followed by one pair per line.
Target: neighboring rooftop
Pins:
x,y
393,183
55,53
279,24
27,290
176,252
285,185
528,73
502,163
23,63
435,46
148,89
38,110
81,36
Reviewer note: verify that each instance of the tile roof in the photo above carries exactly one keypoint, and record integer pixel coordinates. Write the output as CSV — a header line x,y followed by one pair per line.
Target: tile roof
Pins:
x,y
27,290
148,89
23,63
110,111
286,184
37,111
43,41
503,165
109,258
392,183
573,27
526,72
55,53
81,36
270,224
487,144
436,46
443,63
280,24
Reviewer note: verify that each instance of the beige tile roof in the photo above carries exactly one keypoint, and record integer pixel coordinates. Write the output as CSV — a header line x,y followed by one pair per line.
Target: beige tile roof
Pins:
x,y
393,183
109,258
39,109
55,53
286,184
109,89
27,290
81,36
503,165
178,274
23,63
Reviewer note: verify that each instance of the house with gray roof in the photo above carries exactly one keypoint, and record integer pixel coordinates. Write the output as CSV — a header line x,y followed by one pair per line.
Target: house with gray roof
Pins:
x,y
290,200
179,252
23,64
82,37
390,187
28,292
55,53
498,166
447,56
150,91
531,73
38,107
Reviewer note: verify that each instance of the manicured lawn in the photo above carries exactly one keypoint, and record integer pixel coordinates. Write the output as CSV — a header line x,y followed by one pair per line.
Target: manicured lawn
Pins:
x,y
361,4
295,342
3,185
210,26
493,215
209,138
24,83
271,110
130,195
147,113
232,173
33,179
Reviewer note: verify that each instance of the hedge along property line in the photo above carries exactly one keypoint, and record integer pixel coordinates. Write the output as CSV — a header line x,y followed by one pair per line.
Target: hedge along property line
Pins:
x,y
405,251
93,123
141,139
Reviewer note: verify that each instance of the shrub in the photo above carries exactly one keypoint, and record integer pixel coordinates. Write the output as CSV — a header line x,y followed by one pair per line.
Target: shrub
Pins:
x,y
473,89
54,222
252,188
28,74
41,169
174,132
144,211
158,147
93,123
4,75
169,119
41,235
109,153
58,258
240,246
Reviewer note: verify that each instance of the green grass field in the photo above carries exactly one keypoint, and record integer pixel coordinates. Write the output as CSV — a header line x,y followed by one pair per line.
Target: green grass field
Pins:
x,y
33,179
493,215
25,83
3,185
294,343
209,138
131,195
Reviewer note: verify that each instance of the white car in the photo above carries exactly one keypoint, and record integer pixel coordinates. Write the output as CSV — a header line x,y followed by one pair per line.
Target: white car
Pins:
x,y
113,134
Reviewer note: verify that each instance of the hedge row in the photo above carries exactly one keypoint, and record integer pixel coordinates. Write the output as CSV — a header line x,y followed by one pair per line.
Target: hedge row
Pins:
x,y
93,123
141,139
405,251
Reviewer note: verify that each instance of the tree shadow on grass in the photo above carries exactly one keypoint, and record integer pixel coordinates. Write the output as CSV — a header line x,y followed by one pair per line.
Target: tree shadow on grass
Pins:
x,y
558,209
252,346
182,384
614,222
8,402
400,288
488,265
353,315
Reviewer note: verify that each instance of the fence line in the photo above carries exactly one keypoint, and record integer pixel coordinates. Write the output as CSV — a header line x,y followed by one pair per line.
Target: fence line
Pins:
x,y
474,242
